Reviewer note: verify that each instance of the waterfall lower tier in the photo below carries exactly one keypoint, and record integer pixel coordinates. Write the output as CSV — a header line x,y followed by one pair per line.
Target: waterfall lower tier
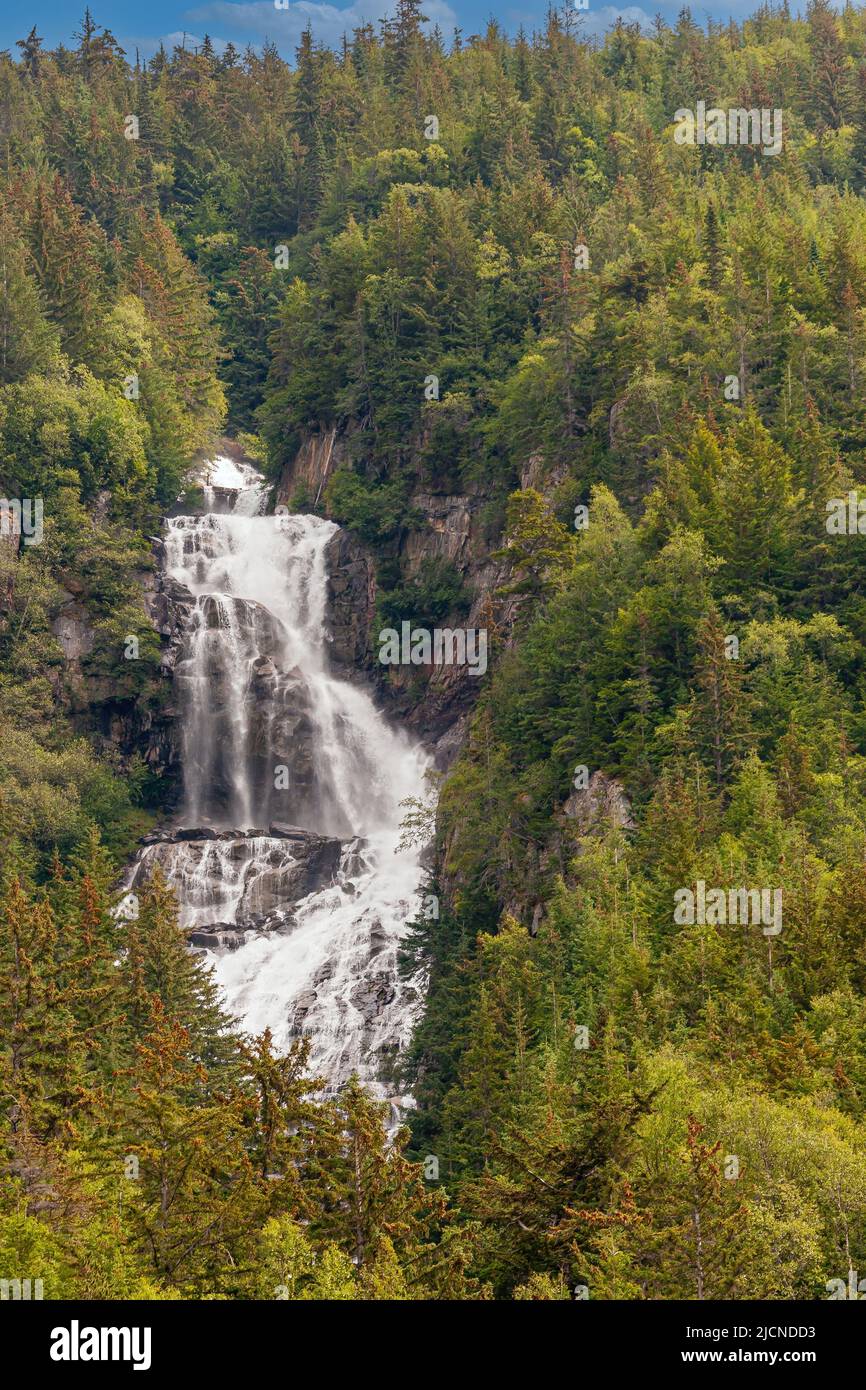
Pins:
x,y
239,881
291,876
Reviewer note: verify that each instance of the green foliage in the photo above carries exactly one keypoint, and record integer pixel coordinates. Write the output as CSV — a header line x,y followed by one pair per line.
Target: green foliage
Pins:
x,y
374,512
435,592
284,242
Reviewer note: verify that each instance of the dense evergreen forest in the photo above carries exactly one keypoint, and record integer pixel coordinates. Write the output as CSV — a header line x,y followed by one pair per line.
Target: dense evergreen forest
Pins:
x,y
621,1103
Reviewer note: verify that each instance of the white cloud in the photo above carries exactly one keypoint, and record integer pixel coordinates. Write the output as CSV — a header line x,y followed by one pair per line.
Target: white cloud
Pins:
x,y
328,22
180,38
253,21
597,20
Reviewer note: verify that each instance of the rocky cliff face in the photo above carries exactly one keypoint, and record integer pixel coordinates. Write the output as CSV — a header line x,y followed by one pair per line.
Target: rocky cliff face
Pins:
x,y
455,531
168,605
433,701
315,461
601,805
73,629
134,725
437,701
351,600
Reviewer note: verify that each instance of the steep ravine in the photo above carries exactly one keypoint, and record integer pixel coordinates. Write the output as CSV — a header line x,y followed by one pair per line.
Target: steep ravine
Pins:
x,y
282,846
284,849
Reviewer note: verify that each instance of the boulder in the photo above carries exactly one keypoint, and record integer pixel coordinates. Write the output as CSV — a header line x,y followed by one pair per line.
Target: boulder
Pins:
x,y
372,995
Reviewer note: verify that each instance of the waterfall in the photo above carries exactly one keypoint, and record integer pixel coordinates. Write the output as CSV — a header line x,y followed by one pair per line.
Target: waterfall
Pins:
x,y
288,872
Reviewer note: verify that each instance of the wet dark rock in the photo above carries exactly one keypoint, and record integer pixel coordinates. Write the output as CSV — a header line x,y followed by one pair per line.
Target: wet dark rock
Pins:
x,y
282,831
280,731
302,1006
324,973
371,996
273,872
169,605
228,936
221,936
378,939
280,922
350,600
354,858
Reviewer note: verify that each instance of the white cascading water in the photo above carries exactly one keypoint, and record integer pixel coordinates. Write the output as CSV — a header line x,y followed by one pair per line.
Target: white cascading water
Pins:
x,y
272,740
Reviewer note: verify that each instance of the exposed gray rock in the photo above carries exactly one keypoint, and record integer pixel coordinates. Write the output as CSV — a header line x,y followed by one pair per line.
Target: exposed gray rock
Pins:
x,y
538,474
221,936
287,832
378,939
447,534
302,1006
314,463
372,995
602,804
228,936
169,605
74,631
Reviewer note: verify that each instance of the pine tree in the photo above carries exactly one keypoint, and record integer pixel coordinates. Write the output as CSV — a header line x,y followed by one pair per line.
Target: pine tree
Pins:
x,y
287,1130
68,255
89,942
823,568
719,715
401,37
158,966
756,508
522,70
27,341
307,119
538,547
378,1209
43,1050
712,249
698,1240
31,52
831,76
193,1201
86,44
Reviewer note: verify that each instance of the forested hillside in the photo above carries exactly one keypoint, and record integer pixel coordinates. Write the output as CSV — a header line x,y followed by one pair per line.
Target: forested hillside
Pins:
x,y
489,268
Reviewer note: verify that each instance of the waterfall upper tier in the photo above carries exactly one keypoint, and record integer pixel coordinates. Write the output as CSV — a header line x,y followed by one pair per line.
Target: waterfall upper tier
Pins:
x,y
230,485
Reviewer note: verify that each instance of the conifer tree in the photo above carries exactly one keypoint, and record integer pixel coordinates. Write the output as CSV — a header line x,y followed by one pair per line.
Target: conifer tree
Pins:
x,y
192,1198
158,966
27,341
719,712
43,1050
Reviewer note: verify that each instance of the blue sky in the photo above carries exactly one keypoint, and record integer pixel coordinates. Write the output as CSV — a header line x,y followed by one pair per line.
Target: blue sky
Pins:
x,y
143,25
